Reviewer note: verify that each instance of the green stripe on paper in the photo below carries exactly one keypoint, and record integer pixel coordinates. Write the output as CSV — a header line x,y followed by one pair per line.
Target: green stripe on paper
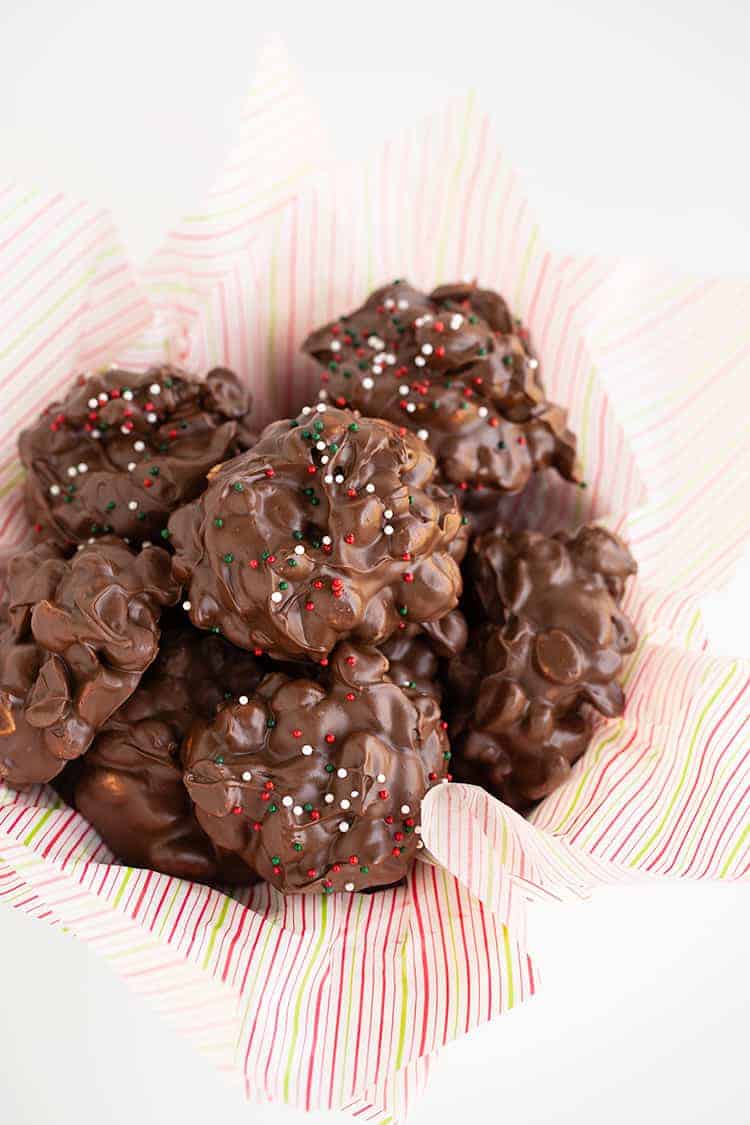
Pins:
x,y
123,885
509,968
31,328
40,824
734,852
214,931
686,766
300,993
577,795
404,1007
525,265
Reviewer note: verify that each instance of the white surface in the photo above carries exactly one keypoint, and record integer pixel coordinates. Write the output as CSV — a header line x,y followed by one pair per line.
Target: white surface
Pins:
x,y
630,128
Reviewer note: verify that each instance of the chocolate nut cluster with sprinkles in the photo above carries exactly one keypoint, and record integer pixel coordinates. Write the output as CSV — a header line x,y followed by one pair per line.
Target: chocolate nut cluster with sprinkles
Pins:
x,y
317,786
525,693
129,785
123,449
456,369
329,528
77,637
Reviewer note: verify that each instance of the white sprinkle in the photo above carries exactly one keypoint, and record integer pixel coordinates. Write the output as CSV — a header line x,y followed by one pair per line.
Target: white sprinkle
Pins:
x,y
322,395
420,321
380,778
247,776
427,349
297,810
307,749
287,802
355,792
368,383
376,343
423,434
103,397
321,409
388,357
94,541
320,445
328,478
339,478
405,810
124,429
388,529
456,321
419,361
72,471
329,798
403,303
377,369
533,364
83,467
306,409
54,489
154,389
483,412
139,446
131,466
93,403
335,346
410,407
128,396
348,886
299,549
341,772
388,514
79,547
276,596
345,804
187,606
96,434
403,389
418,830
343,827
326,539
324,460
151,417
145,543
243,702
389,303
132,505
419,844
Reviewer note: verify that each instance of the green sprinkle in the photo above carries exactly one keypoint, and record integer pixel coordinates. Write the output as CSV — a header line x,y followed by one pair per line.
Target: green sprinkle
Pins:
x,y
67,499
362,365
228,557
265,555
353,426
215,629
315,501
583,484
94,528
464,520
164,533
275,860
403,610
270,723
307,807
283,585
473,319
333,366
291,562
308,491
482,351
365,870
219,759
153,471
347,374
238,486
307,435
507,361
329,768
273,808
111,506
333,447
501,445
297,847
293,424
318,425
447,755
297,535
141,515
218,522
168,382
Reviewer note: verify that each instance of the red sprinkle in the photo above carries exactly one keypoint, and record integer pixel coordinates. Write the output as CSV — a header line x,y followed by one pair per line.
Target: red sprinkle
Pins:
x,y
383,794
348,538
388,819
148,483
330,738
265,796
315,815
396,851
309,606
353,859
270,472
350,696
351,660
253,563
268,785
336,868
317,584
311,469
257,826
398,836
440,351
296,733
408,577
439,326
311,873
237,810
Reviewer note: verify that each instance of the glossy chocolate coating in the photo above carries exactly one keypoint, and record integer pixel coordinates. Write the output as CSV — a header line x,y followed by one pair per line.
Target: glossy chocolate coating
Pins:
x,y
129,784
453,367
329,528
123,449
415,655
318,785
525,691
79,636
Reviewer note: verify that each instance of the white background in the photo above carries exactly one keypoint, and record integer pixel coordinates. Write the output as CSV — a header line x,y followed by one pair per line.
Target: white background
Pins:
x,y
629,124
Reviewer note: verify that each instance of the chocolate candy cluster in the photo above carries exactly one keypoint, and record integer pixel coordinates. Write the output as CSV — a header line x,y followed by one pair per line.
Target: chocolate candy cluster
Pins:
x,y
268,693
